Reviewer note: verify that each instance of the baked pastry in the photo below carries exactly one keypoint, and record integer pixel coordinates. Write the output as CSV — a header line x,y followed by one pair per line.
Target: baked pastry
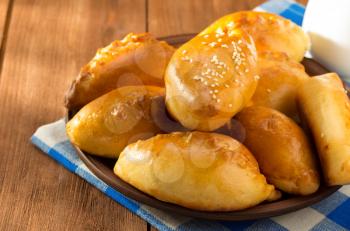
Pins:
x,y
138,59
197,170
280,78
325,107
109,123
270,32
210,78
281,148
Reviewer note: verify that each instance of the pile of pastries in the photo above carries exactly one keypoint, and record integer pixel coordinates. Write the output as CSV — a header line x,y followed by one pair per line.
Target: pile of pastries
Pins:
x,y
226,121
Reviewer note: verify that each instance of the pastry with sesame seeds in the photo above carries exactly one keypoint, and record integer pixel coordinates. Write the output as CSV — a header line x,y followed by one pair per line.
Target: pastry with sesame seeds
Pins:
x,y
270,32
279,80
138,59
208,81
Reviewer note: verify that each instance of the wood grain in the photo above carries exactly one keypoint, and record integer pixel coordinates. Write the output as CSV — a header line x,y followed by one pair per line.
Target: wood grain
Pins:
x,y
48,42
4,9
168,17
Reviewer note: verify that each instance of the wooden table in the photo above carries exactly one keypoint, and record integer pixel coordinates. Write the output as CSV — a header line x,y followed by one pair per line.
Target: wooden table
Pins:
x,y
43,44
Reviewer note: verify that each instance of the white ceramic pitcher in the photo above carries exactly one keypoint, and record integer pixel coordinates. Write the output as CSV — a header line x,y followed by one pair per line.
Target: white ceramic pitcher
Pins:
x,y
328,25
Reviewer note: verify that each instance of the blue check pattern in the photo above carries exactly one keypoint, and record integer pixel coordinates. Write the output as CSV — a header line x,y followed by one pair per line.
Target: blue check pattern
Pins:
x,y
332,213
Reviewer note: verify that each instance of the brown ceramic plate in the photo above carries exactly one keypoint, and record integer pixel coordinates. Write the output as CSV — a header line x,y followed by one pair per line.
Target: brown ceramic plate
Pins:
x,y
103,168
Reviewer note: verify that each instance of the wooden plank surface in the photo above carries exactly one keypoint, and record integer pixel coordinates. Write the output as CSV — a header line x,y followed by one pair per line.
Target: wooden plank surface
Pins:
x,y
4,7
168,17
48,42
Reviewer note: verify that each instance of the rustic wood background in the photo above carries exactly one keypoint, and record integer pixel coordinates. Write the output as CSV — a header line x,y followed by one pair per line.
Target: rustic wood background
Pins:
x,y
43,44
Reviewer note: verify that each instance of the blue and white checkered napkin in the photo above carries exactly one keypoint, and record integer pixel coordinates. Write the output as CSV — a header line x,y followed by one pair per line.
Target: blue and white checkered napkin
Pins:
x,y
332,213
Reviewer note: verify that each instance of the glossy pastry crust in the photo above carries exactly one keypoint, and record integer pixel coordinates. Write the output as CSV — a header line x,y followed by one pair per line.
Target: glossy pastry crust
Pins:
x,y
203,171
280,78
138,59
108,124
270,32
325,107
210,78
282,150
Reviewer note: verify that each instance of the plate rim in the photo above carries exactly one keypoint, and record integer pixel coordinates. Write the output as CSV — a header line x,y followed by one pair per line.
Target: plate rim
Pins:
x,y
240,215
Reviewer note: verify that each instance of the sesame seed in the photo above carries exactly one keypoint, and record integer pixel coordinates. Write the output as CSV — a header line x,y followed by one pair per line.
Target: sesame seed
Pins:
x,y
185,58
212,85
197,77
268,90
184,51
227,86
256,77
214,96
218,100
220,32
246,70
224,46
188,138
206,36
231,33
216,91
210,92
212,44
230,105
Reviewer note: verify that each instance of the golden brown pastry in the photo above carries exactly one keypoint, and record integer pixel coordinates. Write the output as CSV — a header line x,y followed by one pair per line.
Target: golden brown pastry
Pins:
x,y
210,78
280,78
281,149
109,123
270,32
138,59
203,171
326,109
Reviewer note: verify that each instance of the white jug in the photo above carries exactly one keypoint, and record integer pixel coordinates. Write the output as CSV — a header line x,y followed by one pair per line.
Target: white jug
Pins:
x,y
328,25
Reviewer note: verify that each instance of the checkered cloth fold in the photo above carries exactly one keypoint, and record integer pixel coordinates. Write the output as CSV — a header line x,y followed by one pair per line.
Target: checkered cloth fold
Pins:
x,y
332,213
